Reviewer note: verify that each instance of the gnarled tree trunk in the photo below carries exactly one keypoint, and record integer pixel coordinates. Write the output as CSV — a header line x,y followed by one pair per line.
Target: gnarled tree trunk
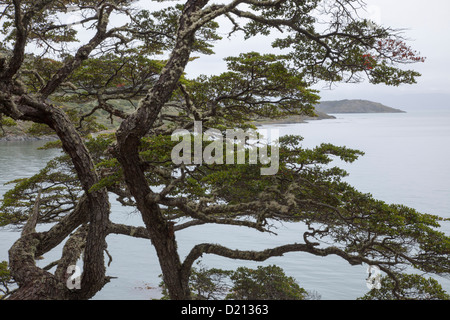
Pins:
x,y
128,140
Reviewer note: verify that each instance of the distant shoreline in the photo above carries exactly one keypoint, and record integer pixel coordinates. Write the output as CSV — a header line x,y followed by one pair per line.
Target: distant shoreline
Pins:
x,y
295,119
324,111
354,106
27,138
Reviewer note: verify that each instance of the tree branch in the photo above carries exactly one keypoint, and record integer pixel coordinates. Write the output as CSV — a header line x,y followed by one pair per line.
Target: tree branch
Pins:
x,y
81,55
30,226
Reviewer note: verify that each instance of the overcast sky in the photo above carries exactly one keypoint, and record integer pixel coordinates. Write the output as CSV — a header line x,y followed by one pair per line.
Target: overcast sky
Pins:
x,y
427,25
428,28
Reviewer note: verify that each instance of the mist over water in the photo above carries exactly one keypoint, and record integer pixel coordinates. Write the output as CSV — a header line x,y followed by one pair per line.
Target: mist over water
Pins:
x,y
406,162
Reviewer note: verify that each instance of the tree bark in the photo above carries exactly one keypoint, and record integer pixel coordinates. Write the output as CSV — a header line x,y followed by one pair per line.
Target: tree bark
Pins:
x,y
159,230
96,203
34,283
15,102
129,137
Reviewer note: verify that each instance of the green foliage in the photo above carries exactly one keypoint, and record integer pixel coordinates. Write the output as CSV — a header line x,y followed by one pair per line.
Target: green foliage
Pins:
x,y
111,175
256,86
5,280
49,23
393,76
209,284
407,287
39,129
38,71
360,48
156,30
241,183
263,283
86,125
115,75
58,185
6,122
59,191
307,188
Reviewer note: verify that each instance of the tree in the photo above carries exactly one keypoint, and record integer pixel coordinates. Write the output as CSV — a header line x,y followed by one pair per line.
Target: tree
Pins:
x,y
119,71
408,287
263,283
5,281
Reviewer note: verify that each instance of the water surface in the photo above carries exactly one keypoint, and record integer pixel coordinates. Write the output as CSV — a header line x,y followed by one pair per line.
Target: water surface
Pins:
x,y
406,162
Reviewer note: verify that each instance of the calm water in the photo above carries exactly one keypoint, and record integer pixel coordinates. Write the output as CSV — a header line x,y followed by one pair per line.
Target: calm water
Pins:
x,y
406,162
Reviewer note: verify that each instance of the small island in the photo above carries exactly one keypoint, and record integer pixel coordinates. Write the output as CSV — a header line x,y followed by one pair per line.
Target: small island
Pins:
x,y
326,109
354,106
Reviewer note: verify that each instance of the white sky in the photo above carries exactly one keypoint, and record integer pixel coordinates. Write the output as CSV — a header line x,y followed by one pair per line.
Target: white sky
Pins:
x,y
428,28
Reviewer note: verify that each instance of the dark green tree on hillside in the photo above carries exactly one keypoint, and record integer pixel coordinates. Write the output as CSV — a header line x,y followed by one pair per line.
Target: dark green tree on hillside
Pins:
x,y
49,63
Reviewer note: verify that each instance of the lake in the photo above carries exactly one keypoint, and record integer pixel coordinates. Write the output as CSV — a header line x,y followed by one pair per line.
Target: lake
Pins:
x,y
406,162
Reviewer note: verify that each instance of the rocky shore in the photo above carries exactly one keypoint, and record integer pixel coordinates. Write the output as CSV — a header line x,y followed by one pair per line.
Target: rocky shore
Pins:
x,y
26,138
296,119
324,110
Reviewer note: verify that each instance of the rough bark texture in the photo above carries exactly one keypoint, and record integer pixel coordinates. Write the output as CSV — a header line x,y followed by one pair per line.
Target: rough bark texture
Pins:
x,y
129,136
96,203
35,283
